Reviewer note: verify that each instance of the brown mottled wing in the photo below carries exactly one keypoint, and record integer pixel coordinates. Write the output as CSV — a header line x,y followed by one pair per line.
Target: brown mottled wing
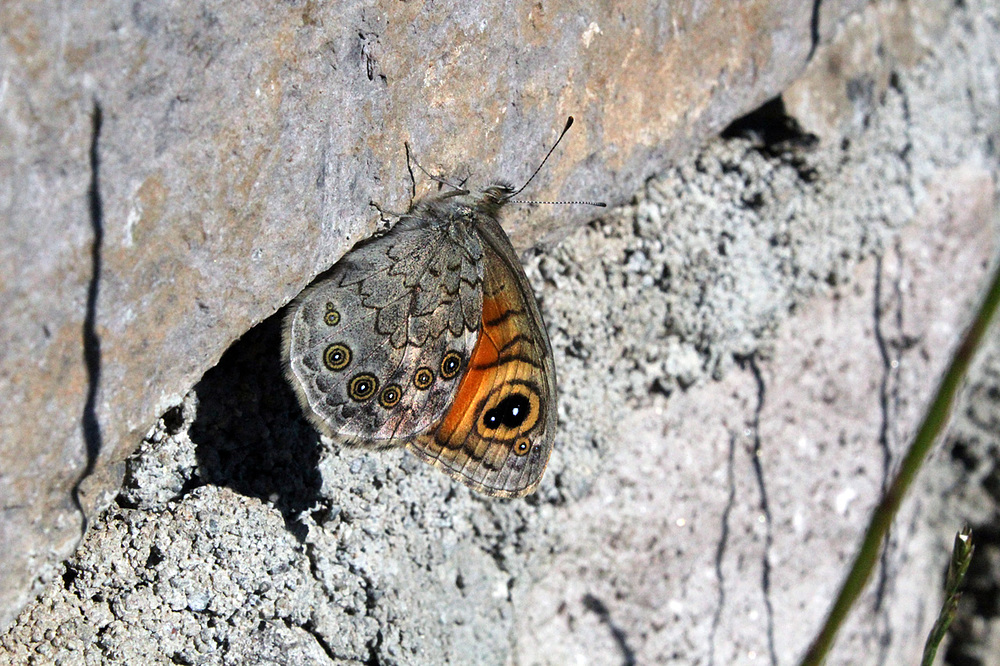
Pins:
x,y
497,435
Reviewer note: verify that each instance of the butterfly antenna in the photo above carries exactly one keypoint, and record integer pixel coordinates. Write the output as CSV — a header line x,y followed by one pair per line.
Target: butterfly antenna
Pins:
x,y
569,123
599,204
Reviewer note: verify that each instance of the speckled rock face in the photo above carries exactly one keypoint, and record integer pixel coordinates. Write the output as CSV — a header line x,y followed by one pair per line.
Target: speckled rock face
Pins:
x,y
172,174
738,370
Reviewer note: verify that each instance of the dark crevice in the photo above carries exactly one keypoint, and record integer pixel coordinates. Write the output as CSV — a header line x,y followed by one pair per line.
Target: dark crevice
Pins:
x,y
371,602
886,411
321,641
310,552
814,29
91,341
720,548
596,606
374,650
756,456
369,46
905,152
890,349
771,127
173,420
495,549
190,484
409,170
154,558
69,576
777,136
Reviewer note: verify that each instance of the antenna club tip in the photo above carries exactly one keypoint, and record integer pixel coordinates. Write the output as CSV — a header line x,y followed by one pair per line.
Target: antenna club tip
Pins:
x,y
569,123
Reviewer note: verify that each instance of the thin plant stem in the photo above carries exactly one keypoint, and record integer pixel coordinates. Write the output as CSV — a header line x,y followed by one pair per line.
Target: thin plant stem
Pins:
x,y
933,424
961,557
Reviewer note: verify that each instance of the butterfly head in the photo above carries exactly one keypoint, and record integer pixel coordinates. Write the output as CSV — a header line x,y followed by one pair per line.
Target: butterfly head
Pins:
x,y
493,197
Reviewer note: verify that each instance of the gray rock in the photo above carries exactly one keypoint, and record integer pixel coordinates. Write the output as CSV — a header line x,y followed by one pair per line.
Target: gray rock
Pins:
x,y
742,353
171,174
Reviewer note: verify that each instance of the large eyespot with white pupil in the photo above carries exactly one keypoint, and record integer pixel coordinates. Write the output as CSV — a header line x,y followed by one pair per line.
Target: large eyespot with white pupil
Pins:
x,y
451,364
423,378
337,356
390,396
332,317
508,413
362,387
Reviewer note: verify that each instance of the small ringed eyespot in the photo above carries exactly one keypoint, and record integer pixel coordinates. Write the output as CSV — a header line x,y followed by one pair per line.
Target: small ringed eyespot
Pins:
x,y
337,356
451,364
521,447
423,378
362,387
332,317
390,395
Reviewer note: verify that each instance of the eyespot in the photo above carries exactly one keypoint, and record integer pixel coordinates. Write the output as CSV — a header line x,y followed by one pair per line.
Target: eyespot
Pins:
x,y
451,364
522,446
337,356
390,395
510,413
332,317
362,387
423,378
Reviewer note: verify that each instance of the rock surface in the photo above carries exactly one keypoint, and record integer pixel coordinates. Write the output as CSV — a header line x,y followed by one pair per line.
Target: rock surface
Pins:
x,y
173,173
743,353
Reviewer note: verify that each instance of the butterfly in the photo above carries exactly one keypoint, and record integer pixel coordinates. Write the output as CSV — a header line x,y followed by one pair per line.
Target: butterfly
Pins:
x,y
430,337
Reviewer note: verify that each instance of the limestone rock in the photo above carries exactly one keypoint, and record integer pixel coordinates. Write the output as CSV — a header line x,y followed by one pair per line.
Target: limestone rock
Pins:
x,y
172,175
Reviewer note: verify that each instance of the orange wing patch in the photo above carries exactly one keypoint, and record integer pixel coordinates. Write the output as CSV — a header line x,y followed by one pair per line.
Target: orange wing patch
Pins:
x,y
498,409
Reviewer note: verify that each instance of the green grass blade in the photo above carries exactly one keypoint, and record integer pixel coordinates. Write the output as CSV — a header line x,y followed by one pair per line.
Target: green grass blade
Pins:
x,y
933,424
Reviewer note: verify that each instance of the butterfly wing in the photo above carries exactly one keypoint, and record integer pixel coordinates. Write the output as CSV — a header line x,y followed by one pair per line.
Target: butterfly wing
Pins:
x,y
375,348
497,435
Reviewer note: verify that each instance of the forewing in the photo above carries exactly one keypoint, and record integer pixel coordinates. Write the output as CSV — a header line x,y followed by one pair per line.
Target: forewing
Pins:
x,y
371,347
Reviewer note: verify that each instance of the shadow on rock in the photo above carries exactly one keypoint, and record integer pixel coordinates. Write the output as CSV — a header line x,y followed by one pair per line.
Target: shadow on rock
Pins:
x,y
250,433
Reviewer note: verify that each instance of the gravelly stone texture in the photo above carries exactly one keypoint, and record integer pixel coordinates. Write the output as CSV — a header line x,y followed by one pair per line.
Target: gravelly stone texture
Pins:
x,y
173,173
743,353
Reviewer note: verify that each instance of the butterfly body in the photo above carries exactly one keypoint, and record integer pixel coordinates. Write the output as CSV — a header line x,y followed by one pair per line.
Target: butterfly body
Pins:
x,y
430,337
